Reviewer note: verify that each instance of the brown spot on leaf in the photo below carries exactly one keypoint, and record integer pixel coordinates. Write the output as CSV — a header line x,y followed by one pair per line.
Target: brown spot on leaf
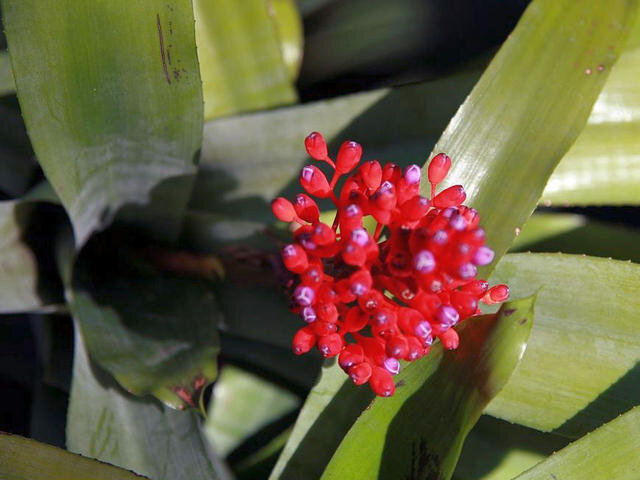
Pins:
x,y
523,321
162,51
509,312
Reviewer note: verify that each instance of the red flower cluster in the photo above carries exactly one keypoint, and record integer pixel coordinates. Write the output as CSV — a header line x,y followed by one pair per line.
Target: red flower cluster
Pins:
x,y
375,299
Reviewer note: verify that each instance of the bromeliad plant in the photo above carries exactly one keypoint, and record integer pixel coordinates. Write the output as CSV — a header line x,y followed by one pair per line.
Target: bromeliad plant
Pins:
x,y
148,229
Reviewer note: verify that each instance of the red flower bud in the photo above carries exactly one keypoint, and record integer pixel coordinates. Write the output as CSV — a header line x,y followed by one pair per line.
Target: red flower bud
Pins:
x,y
314,181
316,146
352,354
283,209
450,339
348,156
371,174
295,258
306,208
360,373
450,197
303,340
382,382
330,345
438,168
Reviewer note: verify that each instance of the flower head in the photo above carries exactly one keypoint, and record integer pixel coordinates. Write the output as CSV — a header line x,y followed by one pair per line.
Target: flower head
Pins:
x,y
373,299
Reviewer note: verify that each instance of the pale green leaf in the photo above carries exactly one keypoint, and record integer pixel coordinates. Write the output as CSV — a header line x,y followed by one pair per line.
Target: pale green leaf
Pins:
x,y
543,226
242,64
111,95
609,452
581,367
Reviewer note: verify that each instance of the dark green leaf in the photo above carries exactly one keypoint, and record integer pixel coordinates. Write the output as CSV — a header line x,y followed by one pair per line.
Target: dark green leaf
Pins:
x,y
6,75
105,422
419,432
25,459
582,363
111,95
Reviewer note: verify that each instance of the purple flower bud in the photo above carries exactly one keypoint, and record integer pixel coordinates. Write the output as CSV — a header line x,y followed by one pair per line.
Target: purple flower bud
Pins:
x,y
392,365
483,256
447,316
307,173
458,222
306,242
386,187
423,329
412,174
304,295
381,318
448,212
360,236
440,237
352,210
467,270
424,262
289,251
309,314
358,289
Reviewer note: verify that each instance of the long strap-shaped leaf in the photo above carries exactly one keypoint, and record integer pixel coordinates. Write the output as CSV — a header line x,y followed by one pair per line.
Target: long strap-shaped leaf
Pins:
x,y
603,166
609,452
138,433
419,432
581,368
111,95
25,459
529,107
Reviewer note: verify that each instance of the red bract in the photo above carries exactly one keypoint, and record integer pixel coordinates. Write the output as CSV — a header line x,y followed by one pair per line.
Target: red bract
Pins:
x,y
373,299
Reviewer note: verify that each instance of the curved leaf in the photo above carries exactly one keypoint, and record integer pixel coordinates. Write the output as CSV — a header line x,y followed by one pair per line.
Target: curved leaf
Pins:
x,y
25,459
582,363
419,432
111,95
106,423
155,330
529,107
542,226
603,166
7,85
609,452
240,56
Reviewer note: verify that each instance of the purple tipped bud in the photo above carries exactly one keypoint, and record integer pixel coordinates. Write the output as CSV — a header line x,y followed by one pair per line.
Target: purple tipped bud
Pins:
x,y
307,173
392,365
448,212
447,316
440,237
304,296
423,329
386,187
467,270
412,174
424,262
458,222
358,289
306,242
483,256
289,251
309,314
381,318
353,210
360,236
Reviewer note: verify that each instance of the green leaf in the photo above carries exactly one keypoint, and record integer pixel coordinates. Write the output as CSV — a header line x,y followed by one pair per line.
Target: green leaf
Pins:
x,y
155,330
240,56
591,238
609,452
248,160
7,85
419,432
113,120
288,23
495,450
242,404
603,166
25,285
529,106
25,459
543,226
581,368
106,423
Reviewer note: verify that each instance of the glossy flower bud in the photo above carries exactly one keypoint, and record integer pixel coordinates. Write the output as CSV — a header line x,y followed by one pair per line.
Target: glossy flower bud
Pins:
x,y
306,208
438,168
316,146
283,209
450,197
303,340
382,382
348,156
314,182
